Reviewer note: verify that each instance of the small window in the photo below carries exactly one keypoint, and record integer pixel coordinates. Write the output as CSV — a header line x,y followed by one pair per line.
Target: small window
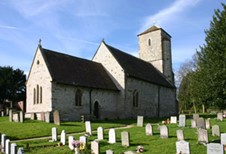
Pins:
x,y
37,94
78,98
34,96
149,42
40,95
38,62
135,98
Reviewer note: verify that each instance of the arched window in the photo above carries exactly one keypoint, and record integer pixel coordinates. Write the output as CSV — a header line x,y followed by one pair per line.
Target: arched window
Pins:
x,y
135,98
34,96
40,95
78,98
37,94
149,42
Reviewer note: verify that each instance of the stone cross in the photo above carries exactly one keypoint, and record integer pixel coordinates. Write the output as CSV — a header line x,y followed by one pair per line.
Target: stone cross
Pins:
x,y
95,148
100,133
164,131
54,134
13,148
215,148
125,138
70,140
56,117
180,135
88,127
148,129
111,136
63,137
182,147
140,121
182,120
215,130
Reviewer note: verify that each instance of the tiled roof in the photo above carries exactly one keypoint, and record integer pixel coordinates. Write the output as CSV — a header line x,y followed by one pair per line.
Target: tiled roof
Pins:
x,y
71,70
151,29
138,68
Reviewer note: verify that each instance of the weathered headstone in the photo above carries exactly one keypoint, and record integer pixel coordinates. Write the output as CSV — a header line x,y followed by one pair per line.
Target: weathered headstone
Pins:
x,y
10,115
195,116
164,131
42,116
193,123
33,116
70,140
173,119
182,147
16,117
200,123
182,120
203,135
47,117
2,113
215,148
21,116
111,136
95,148
13,148
208,123
7,111
125,138
220,116
20,151
7,146
100,133
88,127
54,134
56,117
109,152
140,121
63,137
223,138
180,135
149,130
3,139
215,130
83,139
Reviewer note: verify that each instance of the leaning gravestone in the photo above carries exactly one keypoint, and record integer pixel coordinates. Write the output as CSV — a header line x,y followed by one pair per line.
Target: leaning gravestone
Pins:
x,y
202,136
164,131
95,148
112,136
208,123
149,130
20,151
140,121
195,116
125,138
215,130
13,148
63,137
180,135
182,120
109,152
7,146
100,133
220,116
70,140
56,117
200,122
182,147
193,123
54,134
88,127
173,119
215,148
223,138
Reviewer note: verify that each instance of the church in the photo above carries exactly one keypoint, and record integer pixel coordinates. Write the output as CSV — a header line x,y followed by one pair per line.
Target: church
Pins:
x,y
113,85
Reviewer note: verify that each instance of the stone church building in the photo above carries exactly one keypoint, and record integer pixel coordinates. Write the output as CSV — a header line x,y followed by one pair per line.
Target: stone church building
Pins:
x,y
112,85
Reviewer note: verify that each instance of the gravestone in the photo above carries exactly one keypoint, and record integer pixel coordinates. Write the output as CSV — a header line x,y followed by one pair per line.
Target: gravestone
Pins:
x,y
21,116
200,123
7,111
54,134
182,147
148,129
195,116
125,138
63,137
33,116
100,133
203,135
2,113
109,152
182,120
215,130
129,152
70,140
140,121
47,117
7,146
193,123
42,116
220,116
95,148
20,151
13,148
215,148
164,131
15,117
111,136
180,135
88,127
173,119
3,139
83,139
10,115
208,123
56,117
223,138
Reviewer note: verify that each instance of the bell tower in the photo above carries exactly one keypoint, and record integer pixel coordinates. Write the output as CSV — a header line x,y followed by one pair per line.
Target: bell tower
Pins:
x,y
155,48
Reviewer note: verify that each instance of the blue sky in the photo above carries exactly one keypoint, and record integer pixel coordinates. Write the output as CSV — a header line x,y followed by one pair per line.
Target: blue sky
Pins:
x,y
76,27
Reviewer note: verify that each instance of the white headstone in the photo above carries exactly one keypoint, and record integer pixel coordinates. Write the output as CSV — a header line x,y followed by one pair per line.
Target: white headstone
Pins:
x,y
164,131
13,148
203,135
215,148
7,146
208,123
223,138
20,151
220,116
182,120
54,134
129,152
21,116
125,138
112,136
182,147
95,148
200,123
100,133
149,130
10,115
109,152
3,139
47,117
63,137
173,119
70,140
180,135
215,130
83,139
88,127
16,117
140,121
193,123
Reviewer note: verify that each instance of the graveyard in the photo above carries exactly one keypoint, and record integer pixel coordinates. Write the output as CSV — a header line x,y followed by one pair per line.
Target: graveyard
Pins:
x,y
119,136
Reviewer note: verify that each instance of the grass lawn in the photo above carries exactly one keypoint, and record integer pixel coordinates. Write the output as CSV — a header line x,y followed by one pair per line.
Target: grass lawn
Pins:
x,y
152,144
